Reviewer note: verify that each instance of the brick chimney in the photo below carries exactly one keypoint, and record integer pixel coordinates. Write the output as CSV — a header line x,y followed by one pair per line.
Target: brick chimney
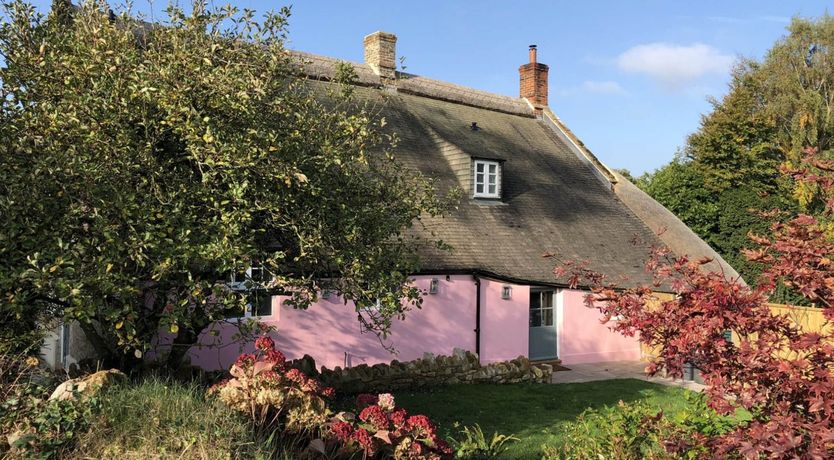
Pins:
x,y
533,81
381,53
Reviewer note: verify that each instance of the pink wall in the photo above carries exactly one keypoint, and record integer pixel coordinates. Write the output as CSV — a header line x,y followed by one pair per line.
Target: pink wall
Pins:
x,y
329,329
504,323
584,339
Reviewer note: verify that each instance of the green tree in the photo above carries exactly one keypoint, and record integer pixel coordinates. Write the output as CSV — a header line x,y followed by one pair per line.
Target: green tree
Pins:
x,y
735,144
773,110
798,89
679,186
142,165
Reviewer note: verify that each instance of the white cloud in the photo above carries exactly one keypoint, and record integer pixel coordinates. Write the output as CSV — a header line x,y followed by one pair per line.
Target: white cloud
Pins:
x,y
603,87
674,66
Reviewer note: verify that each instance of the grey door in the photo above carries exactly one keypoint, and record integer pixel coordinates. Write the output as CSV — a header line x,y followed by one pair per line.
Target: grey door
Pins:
x,y
542,325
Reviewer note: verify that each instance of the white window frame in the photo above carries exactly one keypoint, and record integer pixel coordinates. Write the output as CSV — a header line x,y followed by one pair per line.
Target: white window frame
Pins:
x,y
241,286
485,176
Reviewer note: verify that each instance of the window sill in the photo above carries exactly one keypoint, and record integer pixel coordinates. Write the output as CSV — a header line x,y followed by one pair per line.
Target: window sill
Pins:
x,y
487,201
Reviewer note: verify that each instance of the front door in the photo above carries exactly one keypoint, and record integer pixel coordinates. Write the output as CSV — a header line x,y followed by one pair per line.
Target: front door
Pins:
x,y
542,325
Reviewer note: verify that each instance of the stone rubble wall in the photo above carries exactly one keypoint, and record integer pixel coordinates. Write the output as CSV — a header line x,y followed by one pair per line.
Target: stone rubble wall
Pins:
x,y
461,367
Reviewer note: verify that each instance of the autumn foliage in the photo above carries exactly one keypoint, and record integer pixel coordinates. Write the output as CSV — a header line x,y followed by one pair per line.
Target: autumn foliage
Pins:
x,y
750,358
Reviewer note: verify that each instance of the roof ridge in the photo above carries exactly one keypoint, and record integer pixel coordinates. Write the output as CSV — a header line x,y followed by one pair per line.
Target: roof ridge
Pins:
x,y
321,67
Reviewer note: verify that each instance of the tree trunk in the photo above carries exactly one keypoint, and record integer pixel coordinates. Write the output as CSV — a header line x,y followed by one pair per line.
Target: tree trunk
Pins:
x,y
186,337
103,351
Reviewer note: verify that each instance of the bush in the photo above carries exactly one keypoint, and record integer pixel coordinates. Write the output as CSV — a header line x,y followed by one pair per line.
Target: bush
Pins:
x,y
274,396
291,408
382,430
632,431
473,444
31,425
626,432
160,418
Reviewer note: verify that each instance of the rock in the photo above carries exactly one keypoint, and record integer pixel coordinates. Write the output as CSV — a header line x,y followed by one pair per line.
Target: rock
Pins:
x,y
431,370
472,358
88,386
306,365
537,372
15,436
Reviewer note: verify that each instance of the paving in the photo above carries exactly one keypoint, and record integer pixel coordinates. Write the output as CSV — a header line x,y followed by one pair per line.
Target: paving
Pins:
x,y
590,372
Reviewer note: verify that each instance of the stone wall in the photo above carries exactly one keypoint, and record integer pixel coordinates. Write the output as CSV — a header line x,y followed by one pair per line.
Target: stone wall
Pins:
x,y
461,367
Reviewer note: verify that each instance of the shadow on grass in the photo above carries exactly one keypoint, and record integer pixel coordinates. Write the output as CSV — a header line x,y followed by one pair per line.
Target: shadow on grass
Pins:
x,y
533,412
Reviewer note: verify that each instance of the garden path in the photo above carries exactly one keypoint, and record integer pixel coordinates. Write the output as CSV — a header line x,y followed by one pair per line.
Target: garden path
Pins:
x,y
580,373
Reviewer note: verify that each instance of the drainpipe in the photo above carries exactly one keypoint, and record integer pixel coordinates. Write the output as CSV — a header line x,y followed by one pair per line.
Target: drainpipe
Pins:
x,y
477,315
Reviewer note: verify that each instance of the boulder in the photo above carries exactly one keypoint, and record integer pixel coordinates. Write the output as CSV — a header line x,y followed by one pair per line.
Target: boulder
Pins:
x,y
88,386
307,365
537,372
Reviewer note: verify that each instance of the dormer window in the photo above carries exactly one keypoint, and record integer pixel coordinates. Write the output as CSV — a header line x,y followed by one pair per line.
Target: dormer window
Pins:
x,y
487,179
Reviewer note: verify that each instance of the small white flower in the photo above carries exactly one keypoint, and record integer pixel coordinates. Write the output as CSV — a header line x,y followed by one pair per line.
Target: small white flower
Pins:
x,y
386,401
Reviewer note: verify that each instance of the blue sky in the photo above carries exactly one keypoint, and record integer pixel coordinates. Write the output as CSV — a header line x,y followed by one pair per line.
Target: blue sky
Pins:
x,y
630,78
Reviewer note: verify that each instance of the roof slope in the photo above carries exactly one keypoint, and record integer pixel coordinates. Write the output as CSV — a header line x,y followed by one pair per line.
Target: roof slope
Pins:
x,y
671,230
556,197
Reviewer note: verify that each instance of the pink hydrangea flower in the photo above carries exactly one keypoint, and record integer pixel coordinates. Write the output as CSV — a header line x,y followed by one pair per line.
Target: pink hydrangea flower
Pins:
x,y
265,343
375,417
365,400
342,430
365,440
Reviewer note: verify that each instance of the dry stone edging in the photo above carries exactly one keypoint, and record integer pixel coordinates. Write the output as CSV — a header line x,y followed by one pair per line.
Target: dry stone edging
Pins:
x,y
461,367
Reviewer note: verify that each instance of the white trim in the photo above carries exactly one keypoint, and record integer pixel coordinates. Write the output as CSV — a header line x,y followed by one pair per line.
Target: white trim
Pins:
x,y
487,175
64,345
560,315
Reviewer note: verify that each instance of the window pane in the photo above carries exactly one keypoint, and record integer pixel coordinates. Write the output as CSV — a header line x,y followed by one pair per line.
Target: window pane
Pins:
x,y
261,303
535,318
479,188
535,300
258,274
239,277
492,168
492,190
492,179
479,178
547,299
547,317
479,167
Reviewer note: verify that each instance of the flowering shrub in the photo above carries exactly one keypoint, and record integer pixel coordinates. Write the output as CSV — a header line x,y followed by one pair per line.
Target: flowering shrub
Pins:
x,y
274,395
383,430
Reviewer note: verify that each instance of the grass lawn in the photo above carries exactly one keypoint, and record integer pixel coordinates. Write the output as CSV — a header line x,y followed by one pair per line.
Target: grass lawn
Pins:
x,y
534,413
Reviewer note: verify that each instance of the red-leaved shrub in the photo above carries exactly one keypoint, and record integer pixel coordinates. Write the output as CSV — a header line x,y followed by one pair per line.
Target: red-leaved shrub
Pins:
x,y
783,376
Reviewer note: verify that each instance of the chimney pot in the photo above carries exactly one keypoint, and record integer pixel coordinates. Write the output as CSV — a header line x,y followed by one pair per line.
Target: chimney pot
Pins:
x,y
381,53
533,81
